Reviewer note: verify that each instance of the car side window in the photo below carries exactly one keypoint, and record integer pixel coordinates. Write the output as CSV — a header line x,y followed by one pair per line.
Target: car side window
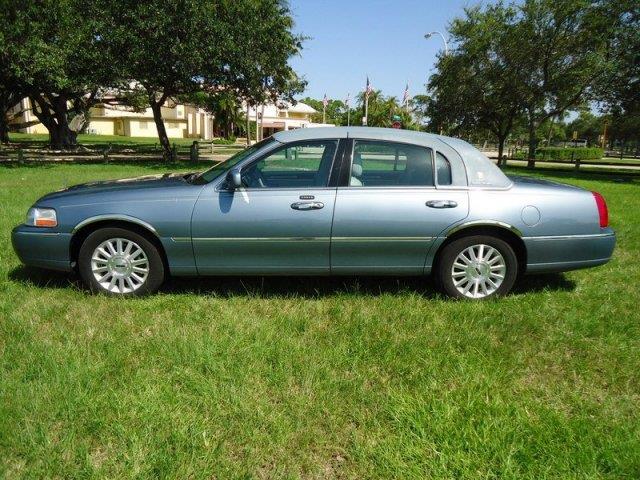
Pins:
x,y
384,164
443,169
301,165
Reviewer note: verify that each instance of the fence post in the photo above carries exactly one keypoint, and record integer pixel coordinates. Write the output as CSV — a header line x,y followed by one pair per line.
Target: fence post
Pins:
x,y
105,153
576,161
194,153
20,156
174,153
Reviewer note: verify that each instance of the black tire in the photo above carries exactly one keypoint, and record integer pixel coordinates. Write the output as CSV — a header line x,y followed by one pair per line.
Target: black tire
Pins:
x,y
444,274
156,270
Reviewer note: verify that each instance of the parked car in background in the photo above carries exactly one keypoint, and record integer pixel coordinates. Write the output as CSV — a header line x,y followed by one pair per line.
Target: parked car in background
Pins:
x,y
339,201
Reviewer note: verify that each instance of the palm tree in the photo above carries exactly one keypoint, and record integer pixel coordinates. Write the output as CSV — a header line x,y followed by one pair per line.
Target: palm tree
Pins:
x,y
225,108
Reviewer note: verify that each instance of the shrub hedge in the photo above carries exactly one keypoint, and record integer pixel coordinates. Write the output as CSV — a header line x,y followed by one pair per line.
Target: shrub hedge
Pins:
x,y
568,154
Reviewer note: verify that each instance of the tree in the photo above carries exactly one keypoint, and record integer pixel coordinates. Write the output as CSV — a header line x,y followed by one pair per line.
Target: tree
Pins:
x,y
168,49
561,55
475,86
165,49
261,72
10,96
336,110
587,126
619,88
54,54
382,110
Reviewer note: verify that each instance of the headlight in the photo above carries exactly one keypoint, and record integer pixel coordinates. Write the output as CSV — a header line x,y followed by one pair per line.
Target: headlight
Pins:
x,y
42,217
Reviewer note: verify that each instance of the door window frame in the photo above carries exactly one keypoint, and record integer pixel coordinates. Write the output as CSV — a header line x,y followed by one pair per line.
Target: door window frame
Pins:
x,y
331,179
347,160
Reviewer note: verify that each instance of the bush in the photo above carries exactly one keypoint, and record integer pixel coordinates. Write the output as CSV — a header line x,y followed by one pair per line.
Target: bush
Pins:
x,y
224,141
568,154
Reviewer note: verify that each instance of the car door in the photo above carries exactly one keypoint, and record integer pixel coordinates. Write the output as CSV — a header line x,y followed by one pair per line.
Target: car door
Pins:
x,y
278,222
388,210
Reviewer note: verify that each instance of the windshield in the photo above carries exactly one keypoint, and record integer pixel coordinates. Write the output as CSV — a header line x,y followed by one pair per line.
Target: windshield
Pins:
x,y
219,168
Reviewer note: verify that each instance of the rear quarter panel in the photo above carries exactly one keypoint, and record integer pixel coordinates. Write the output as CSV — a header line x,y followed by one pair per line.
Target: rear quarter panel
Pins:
x,y
559,224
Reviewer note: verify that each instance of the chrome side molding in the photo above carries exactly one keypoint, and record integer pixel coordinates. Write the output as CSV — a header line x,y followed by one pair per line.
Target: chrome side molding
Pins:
x,y
483,223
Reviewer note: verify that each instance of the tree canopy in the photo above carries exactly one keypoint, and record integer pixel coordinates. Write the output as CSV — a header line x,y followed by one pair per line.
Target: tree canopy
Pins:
x,y
538,58
475,87
52,52
64,53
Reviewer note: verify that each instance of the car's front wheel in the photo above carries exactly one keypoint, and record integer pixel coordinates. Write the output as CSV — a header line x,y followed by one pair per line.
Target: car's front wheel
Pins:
x,y
116,261
477,267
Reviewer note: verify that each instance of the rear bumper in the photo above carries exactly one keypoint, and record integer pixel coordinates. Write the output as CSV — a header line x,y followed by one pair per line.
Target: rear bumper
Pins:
x,y
568,252
42,249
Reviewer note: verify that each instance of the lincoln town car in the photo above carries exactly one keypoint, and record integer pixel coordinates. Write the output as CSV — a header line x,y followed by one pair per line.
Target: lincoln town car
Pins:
x,y
323,201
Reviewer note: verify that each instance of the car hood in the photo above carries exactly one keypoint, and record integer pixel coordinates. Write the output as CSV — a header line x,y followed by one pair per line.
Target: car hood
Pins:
x,y
166,180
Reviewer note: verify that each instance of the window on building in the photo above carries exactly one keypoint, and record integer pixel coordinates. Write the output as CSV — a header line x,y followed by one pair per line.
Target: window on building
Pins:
x,y
385,164
144,125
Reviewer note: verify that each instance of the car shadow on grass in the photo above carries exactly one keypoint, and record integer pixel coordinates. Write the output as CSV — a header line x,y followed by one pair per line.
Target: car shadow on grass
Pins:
x,y
290,286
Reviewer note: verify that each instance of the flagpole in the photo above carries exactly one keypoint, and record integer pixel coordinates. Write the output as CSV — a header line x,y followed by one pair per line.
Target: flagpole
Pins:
x,y
324,113
366,110
365,119
348,116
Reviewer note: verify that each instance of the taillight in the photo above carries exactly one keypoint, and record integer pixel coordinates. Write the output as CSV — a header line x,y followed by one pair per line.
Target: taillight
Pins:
x,y
603,211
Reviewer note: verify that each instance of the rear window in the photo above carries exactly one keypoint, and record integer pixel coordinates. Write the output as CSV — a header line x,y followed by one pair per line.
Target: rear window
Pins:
x,y
384,164
443,169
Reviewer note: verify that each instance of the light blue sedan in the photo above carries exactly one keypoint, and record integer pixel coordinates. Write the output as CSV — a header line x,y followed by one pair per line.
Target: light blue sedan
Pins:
x,y
323,201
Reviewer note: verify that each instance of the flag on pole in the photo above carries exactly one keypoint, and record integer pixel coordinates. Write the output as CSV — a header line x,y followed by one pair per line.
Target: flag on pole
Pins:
x,y
348,100
368,89
405,97
325,101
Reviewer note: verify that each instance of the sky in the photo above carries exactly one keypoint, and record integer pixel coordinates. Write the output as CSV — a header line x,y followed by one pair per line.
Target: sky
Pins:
x,y
350,39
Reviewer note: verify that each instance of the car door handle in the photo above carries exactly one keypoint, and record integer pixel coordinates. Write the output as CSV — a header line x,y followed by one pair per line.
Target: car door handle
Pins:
x,y
441,204
307,205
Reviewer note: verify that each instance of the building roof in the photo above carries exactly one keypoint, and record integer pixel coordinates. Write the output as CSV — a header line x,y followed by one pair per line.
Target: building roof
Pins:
x,y
300,108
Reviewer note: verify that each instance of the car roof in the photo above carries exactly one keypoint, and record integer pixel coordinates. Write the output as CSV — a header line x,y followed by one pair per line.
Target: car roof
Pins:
x,y
391,134
480,171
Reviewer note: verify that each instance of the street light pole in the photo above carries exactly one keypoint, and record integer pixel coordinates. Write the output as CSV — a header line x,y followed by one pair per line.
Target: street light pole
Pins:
x,y
446,45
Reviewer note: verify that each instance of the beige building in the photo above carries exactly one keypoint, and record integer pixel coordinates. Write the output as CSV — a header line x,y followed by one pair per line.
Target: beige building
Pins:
x,y
181,121
275,118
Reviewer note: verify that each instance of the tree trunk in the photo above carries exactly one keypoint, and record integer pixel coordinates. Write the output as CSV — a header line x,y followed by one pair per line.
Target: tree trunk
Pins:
x,y
4,128
52,113
156,108
531,157
550,132
248,126
501,161
61,137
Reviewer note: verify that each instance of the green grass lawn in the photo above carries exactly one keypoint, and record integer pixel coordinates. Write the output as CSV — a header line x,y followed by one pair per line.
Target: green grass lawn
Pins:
x,y
318,378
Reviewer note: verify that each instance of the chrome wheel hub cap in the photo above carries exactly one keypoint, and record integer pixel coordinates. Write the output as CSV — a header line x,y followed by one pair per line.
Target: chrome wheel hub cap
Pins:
x,y
120,265
478,271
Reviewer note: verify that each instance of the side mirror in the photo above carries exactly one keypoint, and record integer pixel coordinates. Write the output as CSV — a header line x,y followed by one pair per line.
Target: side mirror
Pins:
x,y
234,178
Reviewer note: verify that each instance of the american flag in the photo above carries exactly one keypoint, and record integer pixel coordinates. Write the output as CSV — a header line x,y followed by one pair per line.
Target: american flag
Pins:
x,y
325,101
405,97
368,89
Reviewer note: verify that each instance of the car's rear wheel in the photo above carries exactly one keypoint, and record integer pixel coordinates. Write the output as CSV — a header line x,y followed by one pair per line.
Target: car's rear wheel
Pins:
x,y
477,267
116,261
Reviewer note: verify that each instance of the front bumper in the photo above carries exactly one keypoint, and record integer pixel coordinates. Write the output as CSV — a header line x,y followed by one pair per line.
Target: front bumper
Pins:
x,y
569,252
38,247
